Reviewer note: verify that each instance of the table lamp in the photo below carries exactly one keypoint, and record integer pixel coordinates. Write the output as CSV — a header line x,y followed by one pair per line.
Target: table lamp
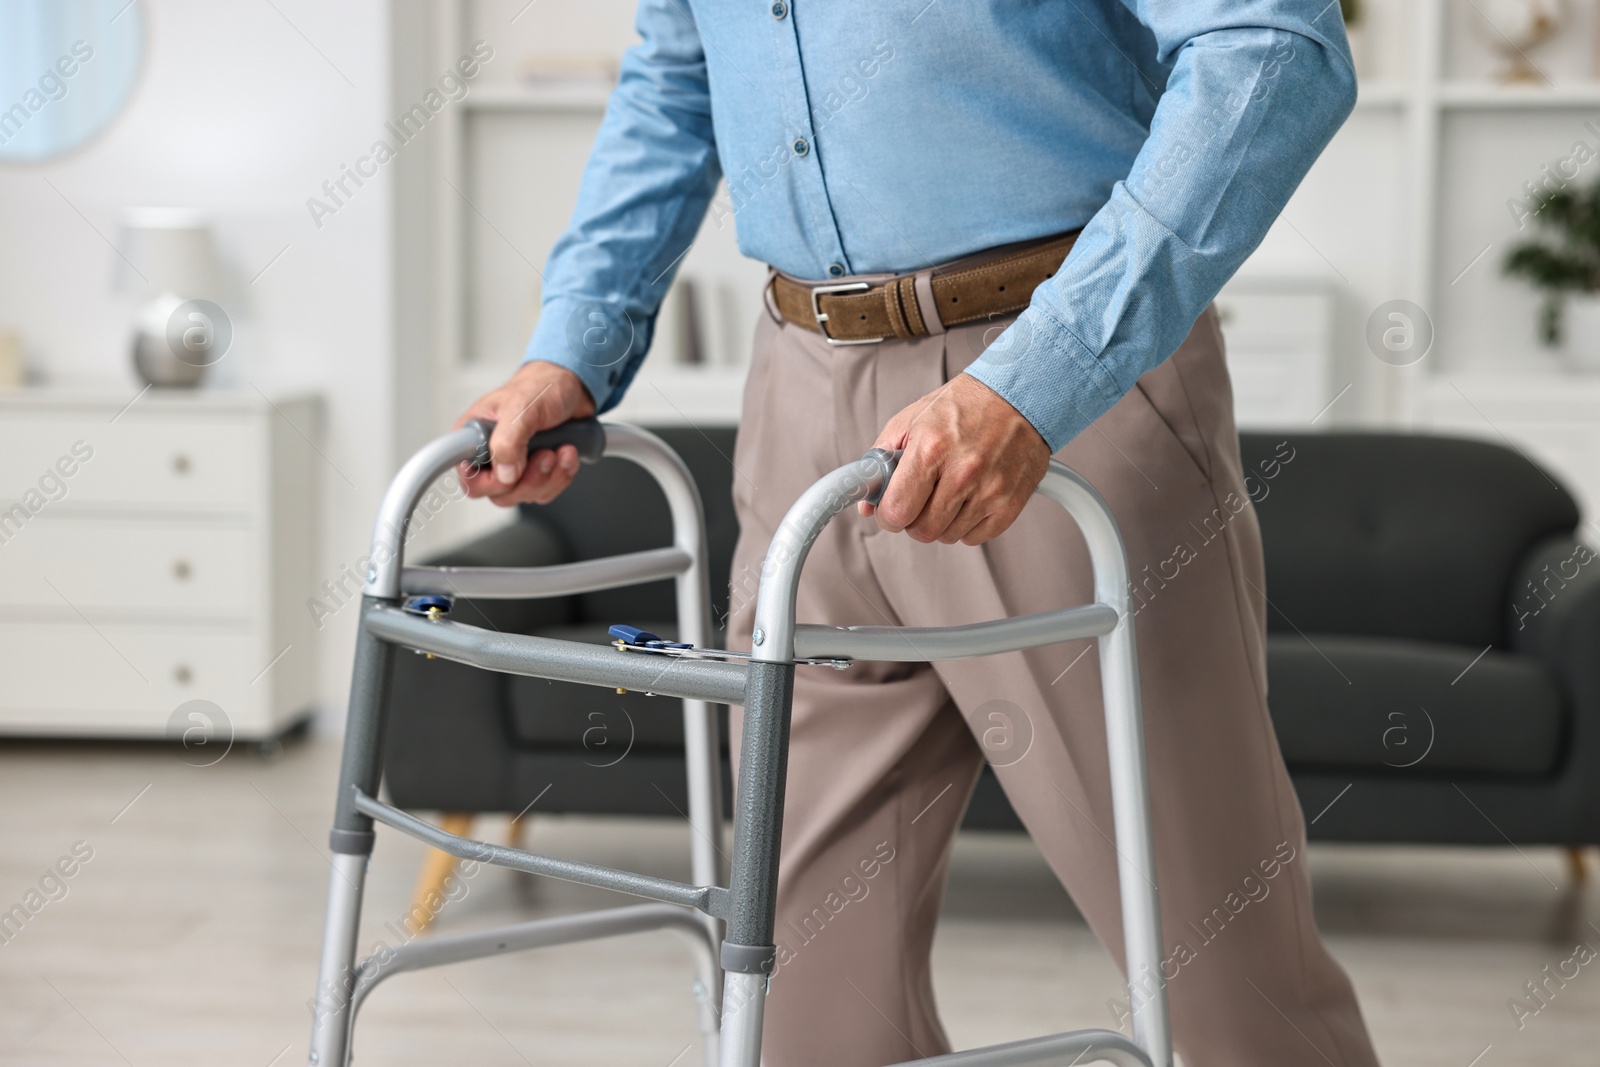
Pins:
x,y
178,333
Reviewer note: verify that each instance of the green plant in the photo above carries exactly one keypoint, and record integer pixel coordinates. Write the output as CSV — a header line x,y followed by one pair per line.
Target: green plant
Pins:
x,y
1564,257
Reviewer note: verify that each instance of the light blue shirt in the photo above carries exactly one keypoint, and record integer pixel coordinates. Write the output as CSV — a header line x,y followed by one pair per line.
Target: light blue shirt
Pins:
x,y
859,137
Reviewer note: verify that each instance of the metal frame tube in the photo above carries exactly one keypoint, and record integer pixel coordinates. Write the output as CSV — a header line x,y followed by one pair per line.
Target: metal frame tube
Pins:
x,y
773,638
405,490
562,661
331,1006
705,898
558,579
701,741
758,814
1082,1046
744,999
350,840
1130,782
360,765
696,682
689,551
521,937
748,954
920,644
777,640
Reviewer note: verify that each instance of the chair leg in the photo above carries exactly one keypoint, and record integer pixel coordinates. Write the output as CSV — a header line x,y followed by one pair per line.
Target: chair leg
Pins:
x,y
437,867
1577,865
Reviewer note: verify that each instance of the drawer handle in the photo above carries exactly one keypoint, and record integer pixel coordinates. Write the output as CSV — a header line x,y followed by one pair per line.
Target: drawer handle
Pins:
x,y
181,570
180,463
182,674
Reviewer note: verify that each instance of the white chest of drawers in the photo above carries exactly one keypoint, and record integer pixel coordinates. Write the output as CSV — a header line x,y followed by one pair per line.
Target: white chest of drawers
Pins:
x,y
152,554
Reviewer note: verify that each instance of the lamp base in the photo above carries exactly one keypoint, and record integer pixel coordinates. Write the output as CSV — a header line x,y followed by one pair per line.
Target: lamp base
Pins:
x,y
157,360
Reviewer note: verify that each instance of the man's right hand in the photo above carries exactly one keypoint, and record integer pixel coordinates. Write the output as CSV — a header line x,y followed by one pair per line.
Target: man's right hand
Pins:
x,y
539,396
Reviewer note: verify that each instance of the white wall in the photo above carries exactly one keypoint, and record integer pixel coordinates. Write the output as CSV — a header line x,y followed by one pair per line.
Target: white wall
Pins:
x,y
238,114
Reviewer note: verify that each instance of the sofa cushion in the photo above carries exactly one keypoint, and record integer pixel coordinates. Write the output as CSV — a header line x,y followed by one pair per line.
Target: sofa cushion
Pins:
x,y
1364,705
1397,535
600,723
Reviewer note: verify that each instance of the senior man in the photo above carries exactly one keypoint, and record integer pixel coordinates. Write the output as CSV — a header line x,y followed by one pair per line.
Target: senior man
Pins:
x,y
995,229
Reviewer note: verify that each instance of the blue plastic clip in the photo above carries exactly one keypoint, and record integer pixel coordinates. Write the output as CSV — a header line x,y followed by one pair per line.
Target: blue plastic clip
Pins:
x,y
632,635
431,606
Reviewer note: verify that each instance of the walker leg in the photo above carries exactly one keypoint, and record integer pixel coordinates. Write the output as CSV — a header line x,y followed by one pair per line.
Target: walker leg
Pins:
x,y
748,954
351,843
744,999
703,766
1136,853
705,822
330,1009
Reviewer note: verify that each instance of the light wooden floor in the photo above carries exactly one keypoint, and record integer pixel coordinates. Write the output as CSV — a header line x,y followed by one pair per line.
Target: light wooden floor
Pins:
x,y
190,937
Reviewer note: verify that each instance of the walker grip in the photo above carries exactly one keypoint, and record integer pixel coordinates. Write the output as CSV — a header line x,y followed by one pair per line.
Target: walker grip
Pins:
x,y
588,436
889,461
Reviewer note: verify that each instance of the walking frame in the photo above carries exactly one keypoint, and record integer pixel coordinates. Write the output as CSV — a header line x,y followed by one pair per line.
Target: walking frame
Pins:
x,y
729,923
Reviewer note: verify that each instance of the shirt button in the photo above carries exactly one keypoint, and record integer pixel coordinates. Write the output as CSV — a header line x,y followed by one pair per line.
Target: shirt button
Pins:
x,y
780,9
836,270
801,146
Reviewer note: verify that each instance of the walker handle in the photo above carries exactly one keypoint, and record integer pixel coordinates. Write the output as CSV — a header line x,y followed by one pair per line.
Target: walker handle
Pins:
x,y
891,460
588,436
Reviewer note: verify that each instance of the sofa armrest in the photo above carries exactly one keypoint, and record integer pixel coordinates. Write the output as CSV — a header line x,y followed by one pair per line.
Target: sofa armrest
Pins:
x,y
1555,600
529,541
1555,618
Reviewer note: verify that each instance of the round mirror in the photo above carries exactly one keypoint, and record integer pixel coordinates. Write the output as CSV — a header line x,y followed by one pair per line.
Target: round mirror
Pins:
x,y
67,67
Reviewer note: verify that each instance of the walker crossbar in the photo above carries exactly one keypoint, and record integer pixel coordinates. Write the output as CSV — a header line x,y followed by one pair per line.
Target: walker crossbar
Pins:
x,y
731,1021
561,579
710,899
520,937
1057,1050
720,682
921,644
561,661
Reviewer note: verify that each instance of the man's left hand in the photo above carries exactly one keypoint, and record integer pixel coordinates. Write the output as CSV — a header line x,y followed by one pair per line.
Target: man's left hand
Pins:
x,y
971,462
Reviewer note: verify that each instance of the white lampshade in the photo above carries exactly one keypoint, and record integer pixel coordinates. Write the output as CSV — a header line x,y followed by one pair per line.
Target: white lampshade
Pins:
x,y
171,249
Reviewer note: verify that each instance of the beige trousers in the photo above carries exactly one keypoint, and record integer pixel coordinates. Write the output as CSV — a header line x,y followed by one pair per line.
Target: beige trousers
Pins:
x,y
883,757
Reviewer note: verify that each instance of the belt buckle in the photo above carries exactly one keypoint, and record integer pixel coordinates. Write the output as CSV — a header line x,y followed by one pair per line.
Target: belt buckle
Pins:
x,y
821,317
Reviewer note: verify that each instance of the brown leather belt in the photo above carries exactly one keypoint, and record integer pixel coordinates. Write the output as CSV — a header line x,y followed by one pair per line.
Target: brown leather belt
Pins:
x,y
984,286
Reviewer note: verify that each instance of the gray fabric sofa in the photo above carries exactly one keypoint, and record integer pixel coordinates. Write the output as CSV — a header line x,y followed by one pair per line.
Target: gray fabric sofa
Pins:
x,y
1434,641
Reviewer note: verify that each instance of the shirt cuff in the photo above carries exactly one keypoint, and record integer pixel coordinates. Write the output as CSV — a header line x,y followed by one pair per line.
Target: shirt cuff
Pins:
x,y
595,339
1038,367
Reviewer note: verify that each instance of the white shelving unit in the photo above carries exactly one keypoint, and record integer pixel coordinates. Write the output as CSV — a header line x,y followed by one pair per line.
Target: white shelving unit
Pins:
x,y
1382,95
1475,96
583,97
1465,142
